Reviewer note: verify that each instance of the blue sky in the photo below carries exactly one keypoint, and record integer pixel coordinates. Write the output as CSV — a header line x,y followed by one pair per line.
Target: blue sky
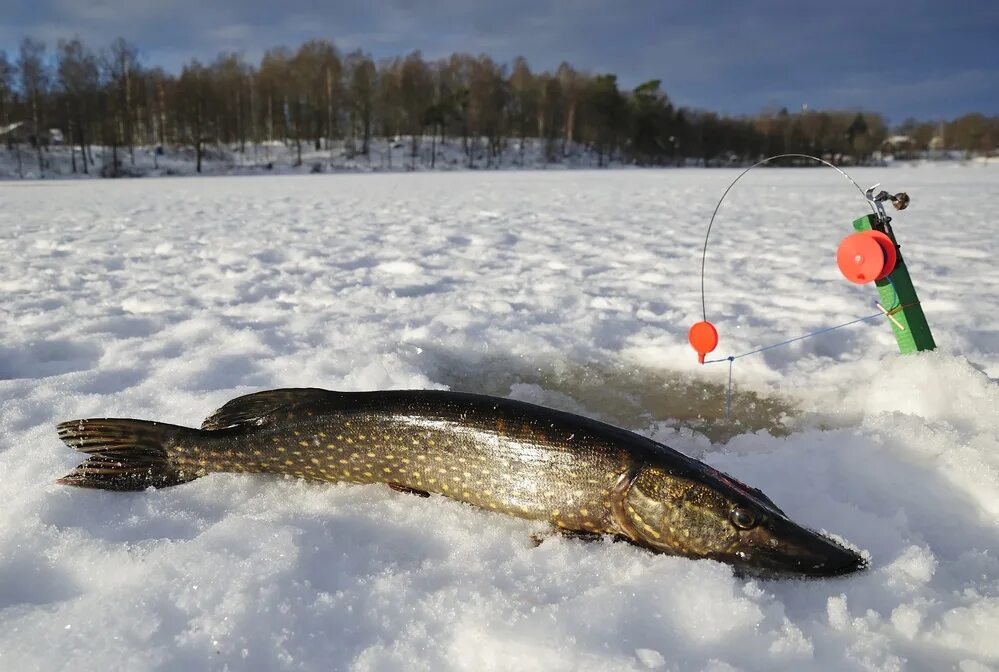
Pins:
x,y
922,59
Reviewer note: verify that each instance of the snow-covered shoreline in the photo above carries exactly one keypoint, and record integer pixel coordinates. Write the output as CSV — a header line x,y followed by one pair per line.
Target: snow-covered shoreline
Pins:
x,y
385,156
163,298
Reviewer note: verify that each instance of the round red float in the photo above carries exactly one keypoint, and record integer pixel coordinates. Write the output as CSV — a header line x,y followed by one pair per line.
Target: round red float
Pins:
x,y
866,256
704,338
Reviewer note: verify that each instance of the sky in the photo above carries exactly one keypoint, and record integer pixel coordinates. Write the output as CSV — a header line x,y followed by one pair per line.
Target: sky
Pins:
x,y
928,60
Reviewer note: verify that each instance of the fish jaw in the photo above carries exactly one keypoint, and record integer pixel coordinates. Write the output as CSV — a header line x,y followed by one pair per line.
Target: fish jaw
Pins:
x,y
779,547
705,514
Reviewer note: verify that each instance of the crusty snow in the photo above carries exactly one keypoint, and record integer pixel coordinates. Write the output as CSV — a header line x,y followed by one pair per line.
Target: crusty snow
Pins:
x,y
164,298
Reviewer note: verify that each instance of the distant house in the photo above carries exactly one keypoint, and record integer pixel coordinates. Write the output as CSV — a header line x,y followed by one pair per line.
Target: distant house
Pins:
x,y
900,146
22,131
939,152
11,129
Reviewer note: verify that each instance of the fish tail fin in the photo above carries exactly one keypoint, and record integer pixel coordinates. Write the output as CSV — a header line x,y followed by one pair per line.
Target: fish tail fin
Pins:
x,y
124,454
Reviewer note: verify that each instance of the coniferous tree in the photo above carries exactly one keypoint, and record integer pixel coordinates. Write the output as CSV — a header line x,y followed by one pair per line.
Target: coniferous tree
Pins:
x,y
606,115
653,139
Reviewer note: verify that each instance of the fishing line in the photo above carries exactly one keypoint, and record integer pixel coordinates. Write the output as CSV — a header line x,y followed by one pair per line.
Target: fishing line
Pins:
x,y
795,339
882,312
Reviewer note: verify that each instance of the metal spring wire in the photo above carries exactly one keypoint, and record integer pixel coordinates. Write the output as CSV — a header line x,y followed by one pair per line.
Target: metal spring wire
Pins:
x,y
711,223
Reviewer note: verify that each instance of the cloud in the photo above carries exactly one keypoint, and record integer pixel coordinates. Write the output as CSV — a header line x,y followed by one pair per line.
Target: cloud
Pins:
x,y
735,57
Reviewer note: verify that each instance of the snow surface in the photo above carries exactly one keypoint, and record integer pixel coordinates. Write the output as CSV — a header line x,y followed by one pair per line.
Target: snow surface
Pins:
x,y
162,299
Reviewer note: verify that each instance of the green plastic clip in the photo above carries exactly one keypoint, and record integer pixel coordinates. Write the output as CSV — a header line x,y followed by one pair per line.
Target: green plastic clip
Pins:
x,y
900,303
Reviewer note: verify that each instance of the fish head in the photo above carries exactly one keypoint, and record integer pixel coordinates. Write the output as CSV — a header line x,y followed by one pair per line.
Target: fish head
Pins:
x,y
710,515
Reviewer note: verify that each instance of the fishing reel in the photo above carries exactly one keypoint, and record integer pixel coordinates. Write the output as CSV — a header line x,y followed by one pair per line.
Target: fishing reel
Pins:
x,y
866,256
871,255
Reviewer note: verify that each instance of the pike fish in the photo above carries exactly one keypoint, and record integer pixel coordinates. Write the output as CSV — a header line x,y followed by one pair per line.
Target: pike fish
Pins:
x,y
582,476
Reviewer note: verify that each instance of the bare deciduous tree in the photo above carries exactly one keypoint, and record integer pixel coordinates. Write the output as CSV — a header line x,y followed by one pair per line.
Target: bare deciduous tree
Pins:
x,y
362,86
121,66
416,96
79,78
34,82
7,72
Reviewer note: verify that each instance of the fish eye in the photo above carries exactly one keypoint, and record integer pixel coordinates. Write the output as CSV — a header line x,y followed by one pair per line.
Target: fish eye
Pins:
x,y
744,519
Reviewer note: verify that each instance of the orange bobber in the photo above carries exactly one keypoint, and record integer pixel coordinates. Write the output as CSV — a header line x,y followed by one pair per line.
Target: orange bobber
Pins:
x,y
866,256
704,338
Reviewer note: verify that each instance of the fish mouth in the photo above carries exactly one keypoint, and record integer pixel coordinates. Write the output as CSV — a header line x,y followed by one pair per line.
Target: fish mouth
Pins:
x,y
793,551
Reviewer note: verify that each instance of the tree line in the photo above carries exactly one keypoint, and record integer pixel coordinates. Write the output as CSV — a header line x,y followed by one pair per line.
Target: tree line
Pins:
x,y
317,97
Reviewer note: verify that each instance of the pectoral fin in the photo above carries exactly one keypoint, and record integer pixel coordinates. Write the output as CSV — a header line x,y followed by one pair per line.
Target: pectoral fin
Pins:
x,y
398,487
619,503
539,538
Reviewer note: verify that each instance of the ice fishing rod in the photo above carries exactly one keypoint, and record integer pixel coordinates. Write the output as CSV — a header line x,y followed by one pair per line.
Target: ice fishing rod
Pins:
x,y
871,254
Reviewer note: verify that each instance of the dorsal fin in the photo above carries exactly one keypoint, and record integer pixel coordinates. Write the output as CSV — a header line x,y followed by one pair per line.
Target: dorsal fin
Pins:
x,y
258,408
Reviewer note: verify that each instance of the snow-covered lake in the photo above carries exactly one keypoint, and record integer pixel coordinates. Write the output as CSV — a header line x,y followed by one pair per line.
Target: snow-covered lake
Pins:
x,y
162,299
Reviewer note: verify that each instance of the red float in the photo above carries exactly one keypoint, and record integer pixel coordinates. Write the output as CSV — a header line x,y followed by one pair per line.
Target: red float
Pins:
x,y
704,338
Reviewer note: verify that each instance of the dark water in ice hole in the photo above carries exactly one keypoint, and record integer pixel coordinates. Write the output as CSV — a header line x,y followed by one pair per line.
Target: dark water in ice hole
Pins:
x,y
630,397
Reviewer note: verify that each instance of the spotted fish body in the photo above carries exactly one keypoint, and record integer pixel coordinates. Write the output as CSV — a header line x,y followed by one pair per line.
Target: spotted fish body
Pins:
x,y
529,461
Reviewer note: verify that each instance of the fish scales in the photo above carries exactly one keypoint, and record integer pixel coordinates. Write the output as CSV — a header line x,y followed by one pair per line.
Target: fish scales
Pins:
x,y
519,459
582,476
